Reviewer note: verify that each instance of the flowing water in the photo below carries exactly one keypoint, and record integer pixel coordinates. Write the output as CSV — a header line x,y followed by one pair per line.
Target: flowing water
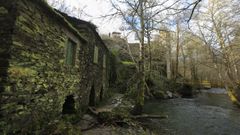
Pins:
x,y
210,113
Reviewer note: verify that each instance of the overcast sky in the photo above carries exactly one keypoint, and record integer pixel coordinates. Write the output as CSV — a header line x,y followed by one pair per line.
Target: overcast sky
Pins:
x,y
96,8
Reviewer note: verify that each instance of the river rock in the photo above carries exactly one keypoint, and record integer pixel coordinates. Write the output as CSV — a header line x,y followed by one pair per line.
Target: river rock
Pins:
x,y
160,94
169,94
176,95
185,90
87,121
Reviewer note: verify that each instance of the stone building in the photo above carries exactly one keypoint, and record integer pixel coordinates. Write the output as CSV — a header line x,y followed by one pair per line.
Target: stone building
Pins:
x,y
50,64
116,34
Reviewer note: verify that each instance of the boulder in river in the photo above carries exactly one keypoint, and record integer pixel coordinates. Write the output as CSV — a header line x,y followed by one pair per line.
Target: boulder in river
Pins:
x,y
185,90
159,94
169,94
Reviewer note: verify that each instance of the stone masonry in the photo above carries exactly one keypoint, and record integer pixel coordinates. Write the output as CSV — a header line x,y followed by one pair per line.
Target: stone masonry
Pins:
x,y
47,61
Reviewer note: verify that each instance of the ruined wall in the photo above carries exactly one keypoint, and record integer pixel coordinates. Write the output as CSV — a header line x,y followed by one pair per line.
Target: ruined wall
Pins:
x,y
7,14
100,85
99,72
38,79
7,19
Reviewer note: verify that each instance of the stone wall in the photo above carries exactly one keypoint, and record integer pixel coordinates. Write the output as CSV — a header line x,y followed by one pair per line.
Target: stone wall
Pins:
x,y
7,19
88,31
35,79
7,14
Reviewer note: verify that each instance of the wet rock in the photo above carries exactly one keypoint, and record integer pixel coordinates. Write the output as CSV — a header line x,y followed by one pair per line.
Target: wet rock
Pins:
x,y
176,95
159,95
185,90
118,131
169,94
87,121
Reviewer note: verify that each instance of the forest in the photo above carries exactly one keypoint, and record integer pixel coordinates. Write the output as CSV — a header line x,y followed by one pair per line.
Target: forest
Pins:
x,y
166,67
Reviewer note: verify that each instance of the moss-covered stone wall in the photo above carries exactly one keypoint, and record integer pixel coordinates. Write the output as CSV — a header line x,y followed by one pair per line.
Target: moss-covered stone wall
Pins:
x,y
35,80
7,11
7,20
98,70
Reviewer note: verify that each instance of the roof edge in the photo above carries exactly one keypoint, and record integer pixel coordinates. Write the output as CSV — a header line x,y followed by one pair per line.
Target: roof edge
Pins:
x,y
59,17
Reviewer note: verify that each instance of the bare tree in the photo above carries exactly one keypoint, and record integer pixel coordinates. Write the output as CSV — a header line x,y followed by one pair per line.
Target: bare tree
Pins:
x,y
137,14
216,27
177,47
63,6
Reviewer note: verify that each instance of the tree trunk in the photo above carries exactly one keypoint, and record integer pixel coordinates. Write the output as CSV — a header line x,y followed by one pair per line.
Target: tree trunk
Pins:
x,y
150,53
177,50
168,57
141,93
184,62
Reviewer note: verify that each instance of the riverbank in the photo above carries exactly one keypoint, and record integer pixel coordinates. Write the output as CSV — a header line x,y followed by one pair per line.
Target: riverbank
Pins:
x,y
113,118
210,112
233,97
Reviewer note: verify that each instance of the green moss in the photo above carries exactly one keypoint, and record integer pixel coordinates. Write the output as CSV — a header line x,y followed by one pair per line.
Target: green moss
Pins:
x,y
2,50
24,27
128,63
32,55
21,71
17,44
115,53
159,94
62,61
7,89
22,18
3,11
63,44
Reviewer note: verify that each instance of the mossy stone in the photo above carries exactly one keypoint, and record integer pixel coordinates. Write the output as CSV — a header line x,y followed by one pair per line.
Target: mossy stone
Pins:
x,y
3,11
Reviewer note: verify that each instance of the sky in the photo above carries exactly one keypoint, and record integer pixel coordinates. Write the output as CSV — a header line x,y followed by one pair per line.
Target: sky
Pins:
x,y
95,9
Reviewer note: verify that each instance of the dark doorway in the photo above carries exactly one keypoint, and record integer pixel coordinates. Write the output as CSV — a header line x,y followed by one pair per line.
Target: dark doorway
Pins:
x,y
101,94
69,105
92,97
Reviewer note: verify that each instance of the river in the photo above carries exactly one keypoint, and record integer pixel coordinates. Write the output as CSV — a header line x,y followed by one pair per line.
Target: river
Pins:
x,y
209,113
